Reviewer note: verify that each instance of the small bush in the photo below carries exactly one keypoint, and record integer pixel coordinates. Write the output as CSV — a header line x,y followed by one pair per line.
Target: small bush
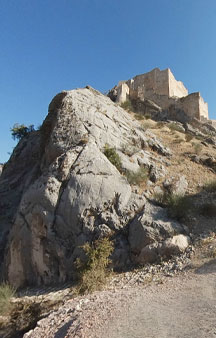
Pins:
x,y
197,148
147,116
146,125
139,117
175,127
178,139
113,157
138,177
129,150
188,137
178,205
160,124
6,293
127,105
210,186
94,271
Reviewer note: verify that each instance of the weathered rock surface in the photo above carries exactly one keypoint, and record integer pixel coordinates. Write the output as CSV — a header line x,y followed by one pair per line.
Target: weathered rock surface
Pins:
x,y
176,185
148,230
59,190
208,161
175,245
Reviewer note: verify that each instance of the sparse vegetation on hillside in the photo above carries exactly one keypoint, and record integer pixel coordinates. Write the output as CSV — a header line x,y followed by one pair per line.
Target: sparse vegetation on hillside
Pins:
x,y
94,271
197,148
112,156
188,137
175,127
146,125
139,117
127,105
178,205
137,177
6,293
129,150
210,186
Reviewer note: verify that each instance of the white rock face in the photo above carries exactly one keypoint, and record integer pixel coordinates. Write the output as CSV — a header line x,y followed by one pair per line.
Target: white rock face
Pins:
x,y
175,245
64,189
150,227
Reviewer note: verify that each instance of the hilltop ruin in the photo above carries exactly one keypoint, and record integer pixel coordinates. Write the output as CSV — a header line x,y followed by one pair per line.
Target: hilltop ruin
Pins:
x,y
161,87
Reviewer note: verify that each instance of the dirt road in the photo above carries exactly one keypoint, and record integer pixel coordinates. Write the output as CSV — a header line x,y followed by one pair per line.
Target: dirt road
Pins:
x,y
185,307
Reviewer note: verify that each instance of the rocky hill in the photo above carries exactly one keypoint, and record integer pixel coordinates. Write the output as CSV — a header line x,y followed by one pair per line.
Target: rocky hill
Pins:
x,y
96,169
100,169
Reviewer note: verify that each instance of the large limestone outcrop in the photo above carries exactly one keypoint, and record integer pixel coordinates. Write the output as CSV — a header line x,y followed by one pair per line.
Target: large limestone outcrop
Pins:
x,y
59,190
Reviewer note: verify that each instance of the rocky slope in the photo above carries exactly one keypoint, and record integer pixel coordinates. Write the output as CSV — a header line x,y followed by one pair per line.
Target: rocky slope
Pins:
x,y
59,190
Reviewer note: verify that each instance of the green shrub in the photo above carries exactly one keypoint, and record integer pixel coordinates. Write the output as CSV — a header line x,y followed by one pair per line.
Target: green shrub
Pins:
x,y
160,124
146,125
127,105
94,271
113,157
139,117
178,139
178,205
137,177
20,130
175,127
197,148
210,186
6,293
188,137
147,116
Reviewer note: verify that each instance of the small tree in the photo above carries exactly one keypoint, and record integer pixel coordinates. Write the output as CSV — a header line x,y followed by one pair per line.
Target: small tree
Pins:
x,y
20,130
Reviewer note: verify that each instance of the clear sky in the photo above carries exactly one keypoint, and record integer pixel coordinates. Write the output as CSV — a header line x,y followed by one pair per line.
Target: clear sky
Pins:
x,y
47,46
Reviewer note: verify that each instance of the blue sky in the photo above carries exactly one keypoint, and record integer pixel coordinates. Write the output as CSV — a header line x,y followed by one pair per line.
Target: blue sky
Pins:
x,y
52,45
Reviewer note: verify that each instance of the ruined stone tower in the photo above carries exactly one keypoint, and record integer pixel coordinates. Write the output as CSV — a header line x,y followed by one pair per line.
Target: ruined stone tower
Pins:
x,y
161,87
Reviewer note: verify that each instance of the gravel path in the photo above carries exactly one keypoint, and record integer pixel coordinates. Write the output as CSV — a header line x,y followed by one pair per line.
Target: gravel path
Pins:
x,y
182,307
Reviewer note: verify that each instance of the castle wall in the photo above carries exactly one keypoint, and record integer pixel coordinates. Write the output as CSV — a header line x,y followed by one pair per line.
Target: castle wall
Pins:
x,y
149,83
176,88
161,87
194,106
122,92
203,108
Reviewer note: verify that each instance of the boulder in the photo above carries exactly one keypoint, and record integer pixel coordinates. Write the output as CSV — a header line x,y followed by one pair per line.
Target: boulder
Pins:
x,y
152,225
174,246
176,185
148,255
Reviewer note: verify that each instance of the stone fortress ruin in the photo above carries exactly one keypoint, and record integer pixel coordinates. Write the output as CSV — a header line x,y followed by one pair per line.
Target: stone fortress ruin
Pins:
x,y
161,87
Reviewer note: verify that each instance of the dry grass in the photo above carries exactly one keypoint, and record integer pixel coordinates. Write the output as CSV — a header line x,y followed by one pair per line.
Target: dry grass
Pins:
x,y
138,177
127,105
210,186
6,293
